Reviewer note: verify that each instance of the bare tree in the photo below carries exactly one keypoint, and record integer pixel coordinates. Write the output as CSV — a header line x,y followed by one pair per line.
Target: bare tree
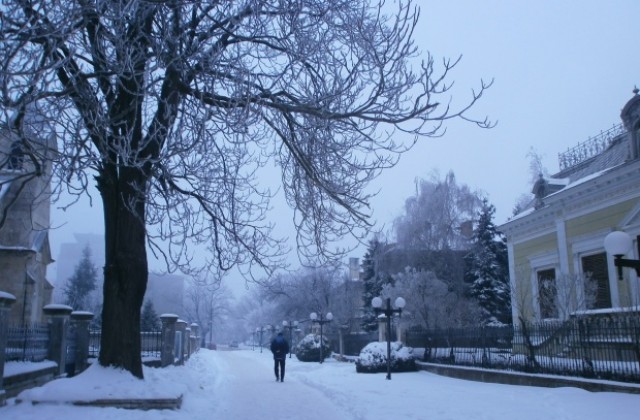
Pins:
x,y
537,172
347,303
562,297
431,302
556,298
307,290
256,311
439,216
207,303
175,107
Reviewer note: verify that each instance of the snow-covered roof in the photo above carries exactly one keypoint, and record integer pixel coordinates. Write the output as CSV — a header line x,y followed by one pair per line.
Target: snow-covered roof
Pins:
x,y
39,240
617,153
5,295
5,185
16,249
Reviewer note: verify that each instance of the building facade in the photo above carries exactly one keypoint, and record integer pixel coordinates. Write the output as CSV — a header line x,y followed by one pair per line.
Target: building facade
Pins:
x,y
557,261
24,213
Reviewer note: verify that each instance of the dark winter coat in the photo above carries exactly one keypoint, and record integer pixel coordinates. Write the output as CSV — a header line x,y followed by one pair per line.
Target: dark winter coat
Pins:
x,y
279,347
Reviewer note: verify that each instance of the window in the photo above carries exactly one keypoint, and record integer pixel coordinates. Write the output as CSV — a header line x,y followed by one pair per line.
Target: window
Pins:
x,y
547,293
595,267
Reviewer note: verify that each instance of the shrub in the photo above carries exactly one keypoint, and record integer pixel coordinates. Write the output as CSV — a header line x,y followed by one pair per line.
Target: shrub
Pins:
x,y
308,349
373,358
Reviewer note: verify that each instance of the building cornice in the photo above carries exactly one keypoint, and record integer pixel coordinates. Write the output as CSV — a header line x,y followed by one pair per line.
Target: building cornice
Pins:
x,y
614,186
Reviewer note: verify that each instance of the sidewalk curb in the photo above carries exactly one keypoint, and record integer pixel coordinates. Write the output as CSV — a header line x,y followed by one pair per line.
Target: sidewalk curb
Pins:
x,y
132,404
517,378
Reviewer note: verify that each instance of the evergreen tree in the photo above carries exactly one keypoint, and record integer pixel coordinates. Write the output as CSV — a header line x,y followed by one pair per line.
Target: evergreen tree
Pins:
x,y
373,281
83,281
149,320
487,269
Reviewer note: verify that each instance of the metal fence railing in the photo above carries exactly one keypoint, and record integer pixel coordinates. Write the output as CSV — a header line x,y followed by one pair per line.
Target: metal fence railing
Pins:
x,y
27,343
94,343
67,341
150,342
591,347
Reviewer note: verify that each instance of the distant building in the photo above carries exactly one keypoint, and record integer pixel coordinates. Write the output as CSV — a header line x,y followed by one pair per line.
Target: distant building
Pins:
x,y
24,210
557,260
166,291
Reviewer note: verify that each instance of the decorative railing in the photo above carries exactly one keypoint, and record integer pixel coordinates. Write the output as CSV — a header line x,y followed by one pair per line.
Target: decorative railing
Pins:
x,y
599,347
589,148
27,343
66,340
150,343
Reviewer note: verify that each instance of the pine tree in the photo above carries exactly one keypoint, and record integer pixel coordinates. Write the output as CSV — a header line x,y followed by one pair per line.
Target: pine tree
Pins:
x,y
83,281
487,269
149,320
373,281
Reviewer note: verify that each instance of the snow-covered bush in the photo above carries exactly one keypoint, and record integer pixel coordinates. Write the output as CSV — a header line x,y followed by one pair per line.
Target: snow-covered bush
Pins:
x,y
373,358
308,349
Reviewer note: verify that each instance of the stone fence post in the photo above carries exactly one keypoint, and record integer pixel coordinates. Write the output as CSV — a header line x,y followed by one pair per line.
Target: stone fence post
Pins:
x,y
382,328
58,324
186,342
399,332
6,300
181,326
342,329
80,321
195,328
167,355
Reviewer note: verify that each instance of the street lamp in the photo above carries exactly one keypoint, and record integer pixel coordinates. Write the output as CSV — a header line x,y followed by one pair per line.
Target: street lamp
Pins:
x,y
253,340
320,320
259,336
210,334
290,325
261,330
388,311
619,243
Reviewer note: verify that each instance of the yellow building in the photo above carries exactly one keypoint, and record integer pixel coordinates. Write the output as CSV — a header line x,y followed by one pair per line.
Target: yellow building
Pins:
x,y
557,261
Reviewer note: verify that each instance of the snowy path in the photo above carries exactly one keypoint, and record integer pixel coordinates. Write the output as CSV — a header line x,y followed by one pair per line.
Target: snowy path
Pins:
x,y
240,385
247,389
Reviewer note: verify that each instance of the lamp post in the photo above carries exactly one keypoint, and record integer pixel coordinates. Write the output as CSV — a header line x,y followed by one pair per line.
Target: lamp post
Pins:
x,y
618,244
321,321
253,339
261,330
290,325
388,311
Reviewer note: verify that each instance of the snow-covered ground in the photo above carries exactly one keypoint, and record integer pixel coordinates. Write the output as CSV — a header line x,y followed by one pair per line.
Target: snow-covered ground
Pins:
x,y
236,385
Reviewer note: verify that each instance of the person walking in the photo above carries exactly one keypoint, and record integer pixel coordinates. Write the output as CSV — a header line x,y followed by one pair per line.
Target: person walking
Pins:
x,y
279,348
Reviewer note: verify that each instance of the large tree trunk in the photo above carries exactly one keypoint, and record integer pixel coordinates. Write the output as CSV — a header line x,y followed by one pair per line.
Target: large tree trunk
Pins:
x,y
125,271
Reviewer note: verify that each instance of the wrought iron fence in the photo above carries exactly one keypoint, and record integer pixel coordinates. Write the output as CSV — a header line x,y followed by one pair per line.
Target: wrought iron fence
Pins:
x,y
151,344
150,341
590,148
591,347
27,343
94,342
